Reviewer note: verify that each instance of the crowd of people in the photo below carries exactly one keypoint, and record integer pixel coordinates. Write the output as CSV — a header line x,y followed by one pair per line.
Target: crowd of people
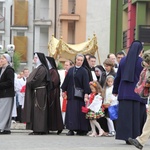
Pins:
x,y
48,99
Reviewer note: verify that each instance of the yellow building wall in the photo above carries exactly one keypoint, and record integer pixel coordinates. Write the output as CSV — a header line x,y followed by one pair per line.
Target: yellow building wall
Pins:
x,y
78,34
20,13
21,43
80,27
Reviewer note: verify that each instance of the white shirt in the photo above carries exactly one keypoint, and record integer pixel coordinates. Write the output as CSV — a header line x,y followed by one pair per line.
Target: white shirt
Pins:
x,y
96,103
109,97
19,84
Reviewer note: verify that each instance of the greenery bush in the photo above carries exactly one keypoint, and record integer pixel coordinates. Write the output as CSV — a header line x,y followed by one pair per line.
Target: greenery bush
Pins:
x,y
16,61
59,66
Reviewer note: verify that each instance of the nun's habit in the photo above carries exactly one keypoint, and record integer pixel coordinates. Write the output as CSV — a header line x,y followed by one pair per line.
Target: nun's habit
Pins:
x,y
54,108
132,109
36,97
75,119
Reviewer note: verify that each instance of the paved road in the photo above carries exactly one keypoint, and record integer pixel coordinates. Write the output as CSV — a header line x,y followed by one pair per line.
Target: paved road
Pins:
x,y
20,140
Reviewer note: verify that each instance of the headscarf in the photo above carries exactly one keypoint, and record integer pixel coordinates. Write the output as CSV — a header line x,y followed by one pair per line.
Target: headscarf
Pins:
x,y
85,63
52,64
8,58
49,65
51,60
87,67
38,62
131,59
42,59
102,77
100,68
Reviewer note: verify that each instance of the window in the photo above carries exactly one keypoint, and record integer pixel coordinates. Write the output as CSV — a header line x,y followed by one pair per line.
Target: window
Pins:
x,y
20,33
144,33
125,39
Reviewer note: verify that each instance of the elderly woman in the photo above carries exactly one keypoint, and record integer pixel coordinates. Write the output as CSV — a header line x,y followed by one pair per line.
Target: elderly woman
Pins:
x,y
76,77
6,93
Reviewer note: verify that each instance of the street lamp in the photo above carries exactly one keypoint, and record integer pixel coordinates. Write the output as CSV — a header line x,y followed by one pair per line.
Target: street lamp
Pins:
x,y
10,48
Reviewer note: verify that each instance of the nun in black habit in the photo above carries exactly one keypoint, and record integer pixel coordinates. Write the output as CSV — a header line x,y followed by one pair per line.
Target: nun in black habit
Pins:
x,y
54,108
76,76
36,97
100,74
88,68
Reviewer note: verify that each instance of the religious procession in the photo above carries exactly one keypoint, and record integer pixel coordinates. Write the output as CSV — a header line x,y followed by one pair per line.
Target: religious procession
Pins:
x,y
57,80
86,98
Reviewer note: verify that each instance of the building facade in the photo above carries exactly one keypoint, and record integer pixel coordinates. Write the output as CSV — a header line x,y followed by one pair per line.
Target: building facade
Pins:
x,y
79,20
131,22
29,24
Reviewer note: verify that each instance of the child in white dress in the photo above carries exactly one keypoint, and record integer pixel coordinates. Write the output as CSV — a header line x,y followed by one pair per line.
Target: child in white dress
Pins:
x,y
109,100
95,111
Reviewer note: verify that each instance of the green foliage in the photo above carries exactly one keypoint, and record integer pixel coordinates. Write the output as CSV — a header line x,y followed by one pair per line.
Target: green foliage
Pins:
x,y
59,66
16,61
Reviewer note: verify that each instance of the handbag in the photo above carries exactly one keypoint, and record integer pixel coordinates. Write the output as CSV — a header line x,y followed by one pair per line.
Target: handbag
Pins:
x,y
113,112
78,92
84,109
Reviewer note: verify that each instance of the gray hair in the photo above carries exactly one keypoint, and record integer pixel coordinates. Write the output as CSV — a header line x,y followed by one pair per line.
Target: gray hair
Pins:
x,y
79,55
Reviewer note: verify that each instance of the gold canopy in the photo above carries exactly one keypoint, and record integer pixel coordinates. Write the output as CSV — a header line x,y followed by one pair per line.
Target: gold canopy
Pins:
x,y
59,49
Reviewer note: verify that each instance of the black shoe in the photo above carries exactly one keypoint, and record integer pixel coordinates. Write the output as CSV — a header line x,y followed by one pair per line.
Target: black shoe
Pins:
x,y
82,133
6,132
34,133
59,131
135,142
128,143
70,133
37,133
78,133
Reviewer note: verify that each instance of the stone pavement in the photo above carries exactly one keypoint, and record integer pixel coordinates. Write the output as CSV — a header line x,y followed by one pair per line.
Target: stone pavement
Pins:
x,y
18,126
20,140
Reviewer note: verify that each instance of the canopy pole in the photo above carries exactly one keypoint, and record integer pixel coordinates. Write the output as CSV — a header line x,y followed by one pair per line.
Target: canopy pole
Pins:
x,y
98,57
